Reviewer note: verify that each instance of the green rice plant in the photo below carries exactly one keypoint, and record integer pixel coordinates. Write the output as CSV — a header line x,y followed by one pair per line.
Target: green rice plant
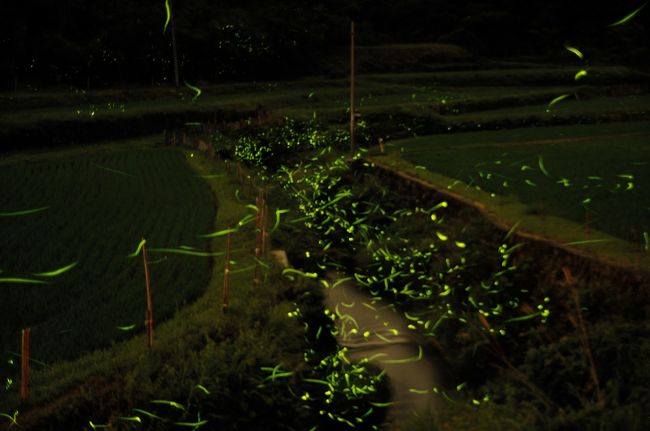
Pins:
x,y
89,292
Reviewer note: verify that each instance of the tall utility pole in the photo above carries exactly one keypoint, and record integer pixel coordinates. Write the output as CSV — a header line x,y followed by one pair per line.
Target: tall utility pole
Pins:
x,y
352,90
171,21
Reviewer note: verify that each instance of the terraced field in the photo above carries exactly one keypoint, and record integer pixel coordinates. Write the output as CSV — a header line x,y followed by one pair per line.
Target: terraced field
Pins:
x,y
90,211
594,174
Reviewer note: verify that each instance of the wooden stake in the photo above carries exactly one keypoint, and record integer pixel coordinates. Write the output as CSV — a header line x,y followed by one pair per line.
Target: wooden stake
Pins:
x,y
352,89
24,375
226,275
265,233
258,238
149,316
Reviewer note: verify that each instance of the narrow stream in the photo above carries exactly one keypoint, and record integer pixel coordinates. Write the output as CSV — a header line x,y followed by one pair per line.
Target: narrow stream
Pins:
x,y
374,329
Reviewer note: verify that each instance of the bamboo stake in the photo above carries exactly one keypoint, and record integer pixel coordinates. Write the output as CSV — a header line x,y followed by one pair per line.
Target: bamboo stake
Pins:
x,y
24,375
258,238
265,233
226,275
352,89
174,50
149,315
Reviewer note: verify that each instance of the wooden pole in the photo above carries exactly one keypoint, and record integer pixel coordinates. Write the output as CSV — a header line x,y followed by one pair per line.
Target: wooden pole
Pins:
x,y
149,315
24,375
352,90
258,238
174,52
265,232
226,275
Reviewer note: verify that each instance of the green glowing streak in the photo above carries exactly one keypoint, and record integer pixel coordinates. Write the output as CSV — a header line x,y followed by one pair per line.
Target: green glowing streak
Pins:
x,y
30,359
318,381
126,328
21,280
530,183
540,162
186,252
115,171
418,391
591,241
409,317
278,212
522,318
94,426
295,271
11,418
131,419
168,10
557,99
203,388
219,233
628,17
24,212
247,219
404,361
197,90
575,51
341,280
196,424
57,271
580,74
137,250
380,404
253,207
276,372
146,413
512,230
265,265
169,403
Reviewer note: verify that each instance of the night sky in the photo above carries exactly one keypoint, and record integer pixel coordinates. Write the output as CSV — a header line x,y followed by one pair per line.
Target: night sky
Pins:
x,y
118,42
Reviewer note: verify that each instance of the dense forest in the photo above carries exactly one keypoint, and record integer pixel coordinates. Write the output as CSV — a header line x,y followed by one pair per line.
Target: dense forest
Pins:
x,y
100,43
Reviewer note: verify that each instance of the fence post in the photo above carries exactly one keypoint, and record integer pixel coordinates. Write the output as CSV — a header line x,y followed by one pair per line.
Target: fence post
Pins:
x,y
149,315
24,375
226,274
258,238
352,89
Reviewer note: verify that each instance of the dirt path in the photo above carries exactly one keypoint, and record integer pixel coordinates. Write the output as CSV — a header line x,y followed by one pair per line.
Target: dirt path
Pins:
x,y
376,330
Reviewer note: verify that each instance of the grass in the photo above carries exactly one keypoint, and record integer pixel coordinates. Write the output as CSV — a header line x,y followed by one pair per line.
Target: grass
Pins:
x,y
225,354
502,163
98,207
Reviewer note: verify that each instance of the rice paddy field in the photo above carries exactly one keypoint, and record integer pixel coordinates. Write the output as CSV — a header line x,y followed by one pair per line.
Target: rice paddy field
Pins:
x,y
68,222
595,175
72,221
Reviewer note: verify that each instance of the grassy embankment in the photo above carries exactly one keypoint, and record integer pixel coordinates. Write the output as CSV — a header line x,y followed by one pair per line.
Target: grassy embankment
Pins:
x,y
571,183
202,359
